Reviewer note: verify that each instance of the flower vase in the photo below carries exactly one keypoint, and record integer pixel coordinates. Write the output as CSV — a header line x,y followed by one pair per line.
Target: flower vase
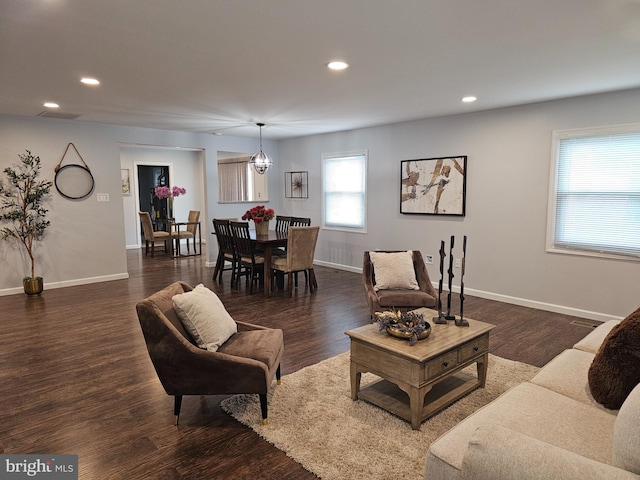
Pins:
x,y
169,207
262,228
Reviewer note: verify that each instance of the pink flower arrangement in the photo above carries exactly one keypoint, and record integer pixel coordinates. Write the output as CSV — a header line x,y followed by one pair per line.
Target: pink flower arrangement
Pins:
x,y
259,214
166,192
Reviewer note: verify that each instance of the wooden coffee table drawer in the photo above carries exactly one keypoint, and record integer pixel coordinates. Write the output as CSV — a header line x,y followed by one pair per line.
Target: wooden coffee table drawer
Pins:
x,y
441,364
473,348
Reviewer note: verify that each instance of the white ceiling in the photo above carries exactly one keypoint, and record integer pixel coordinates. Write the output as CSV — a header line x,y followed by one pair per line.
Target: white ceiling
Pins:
x,y
223,65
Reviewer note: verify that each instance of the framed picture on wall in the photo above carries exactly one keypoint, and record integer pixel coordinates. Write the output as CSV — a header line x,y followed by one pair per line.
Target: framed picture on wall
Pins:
x,y
434,186
296,185
126,181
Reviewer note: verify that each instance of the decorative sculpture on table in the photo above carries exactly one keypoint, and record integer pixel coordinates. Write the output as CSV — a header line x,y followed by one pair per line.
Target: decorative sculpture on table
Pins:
x,y
442,317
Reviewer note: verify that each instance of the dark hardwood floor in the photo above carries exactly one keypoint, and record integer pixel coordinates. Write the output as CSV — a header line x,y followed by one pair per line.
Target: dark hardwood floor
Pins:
x,y
76,378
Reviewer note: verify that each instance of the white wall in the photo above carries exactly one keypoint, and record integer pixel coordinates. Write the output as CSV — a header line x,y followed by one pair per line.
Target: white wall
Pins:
x,y
509,155
86,241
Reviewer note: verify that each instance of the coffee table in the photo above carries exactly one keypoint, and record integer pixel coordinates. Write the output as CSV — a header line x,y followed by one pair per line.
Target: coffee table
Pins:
x,y
420,380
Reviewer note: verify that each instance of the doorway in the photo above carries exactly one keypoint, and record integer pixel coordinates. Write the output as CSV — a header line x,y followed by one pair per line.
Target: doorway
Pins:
x,y
150,177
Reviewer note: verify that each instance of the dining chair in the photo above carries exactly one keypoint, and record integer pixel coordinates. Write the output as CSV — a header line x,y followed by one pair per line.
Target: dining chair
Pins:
x,y
226,250
300,222
189,233
282,226
246,256
150,236
282,223
301,246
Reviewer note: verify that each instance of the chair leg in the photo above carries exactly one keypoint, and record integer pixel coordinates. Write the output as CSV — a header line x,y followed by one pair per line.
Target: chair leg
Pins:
x,y
313,284
263,407
290,283
176,407
278,375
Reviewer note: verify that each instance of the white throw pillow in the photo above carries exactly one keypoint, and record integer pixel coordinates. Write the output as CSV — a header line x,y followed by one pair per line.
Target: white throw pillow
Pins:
x,y
204,317
394,270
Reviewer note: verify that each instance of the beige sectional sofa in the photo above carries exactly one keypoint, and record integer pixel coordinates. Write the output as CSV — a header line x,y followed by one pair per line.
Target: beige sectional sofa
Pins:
x,y
547,428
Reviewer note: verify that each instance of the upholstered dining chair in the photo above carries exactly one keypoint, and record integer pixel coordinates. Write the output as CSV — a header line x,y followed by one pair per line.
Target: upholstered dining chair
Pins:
x,y
150,236
245,363
189,233
226,250
248,263
301,246
401,282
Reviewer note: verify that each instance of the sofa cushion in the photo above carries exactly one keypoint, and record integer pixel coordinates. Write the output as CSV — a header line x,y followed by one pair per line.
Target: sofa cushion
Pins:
x,y
538,412
567,374
626,434
592,342
394,270
204,317
615,370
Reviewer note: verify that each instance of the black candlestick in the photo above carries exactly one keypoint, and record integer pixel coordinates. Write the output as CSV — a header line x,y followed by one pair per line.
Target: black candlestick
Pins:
x,y
461,322
440,318
448,316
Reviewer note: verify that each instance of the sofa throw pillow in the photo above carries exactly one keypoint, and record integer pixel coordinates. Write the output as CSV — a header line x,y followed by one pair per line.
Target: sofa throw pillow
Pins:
x,y
626,434
204,317
615,369
394,270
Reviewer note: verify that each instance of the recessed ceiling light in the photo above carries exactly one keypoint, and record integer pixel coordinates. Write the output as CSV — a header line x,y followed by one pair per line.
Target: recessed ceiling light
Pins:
x,y
90,81
50,105
469,99
337,65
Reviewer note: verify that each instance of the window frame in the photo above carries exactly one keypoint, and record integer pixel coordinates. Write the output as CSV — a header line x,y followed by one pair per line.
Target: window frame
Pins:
x,y
557,137
326,157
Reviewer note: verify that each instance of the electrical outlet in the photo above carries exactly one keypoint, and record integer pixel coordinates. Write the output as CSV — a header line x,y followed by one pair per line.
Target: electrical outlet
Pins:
x,y
103,197
428,259
458,262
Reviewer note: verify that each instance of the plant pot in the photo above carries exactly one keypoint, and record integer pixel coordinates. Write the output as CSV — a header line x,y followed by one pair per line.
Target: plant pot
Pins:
x,y
262,228
33,286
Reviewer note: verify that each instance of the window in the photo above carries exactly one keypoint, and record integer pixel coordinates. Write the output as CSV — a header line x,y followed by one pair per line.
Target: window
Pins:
x,y
595,192
344,190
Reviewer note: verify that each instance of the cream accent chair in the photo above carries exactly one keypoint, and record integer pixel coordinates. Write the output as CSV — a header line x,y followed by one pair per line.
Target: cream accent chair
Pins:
x,y
189,233
150,236
301,246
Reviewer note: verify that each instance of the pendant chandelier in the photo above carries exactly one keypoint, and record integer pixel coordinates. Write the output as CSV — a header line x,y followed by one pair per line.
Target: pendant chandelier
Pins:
x,y
261,161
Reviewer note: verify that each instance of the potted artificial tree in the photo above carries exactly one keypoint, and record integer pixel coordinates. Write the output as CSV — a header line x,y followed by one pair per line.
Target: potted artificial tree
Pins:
x,y
21,212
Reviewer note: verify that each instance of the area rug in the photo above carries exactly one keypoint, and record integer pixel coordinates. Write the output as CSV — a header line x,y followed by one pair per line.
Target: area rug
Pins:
x,y
313,419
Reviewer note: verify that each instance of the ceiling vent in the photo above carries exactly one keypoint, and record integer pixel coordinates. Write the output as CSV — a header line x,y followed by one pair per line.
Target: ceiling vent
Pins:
x,y
64,116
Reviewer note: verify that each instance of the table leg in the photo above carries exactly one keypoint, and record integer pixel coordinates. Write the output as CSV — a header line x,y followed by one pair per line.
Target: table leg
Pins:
x,y
267,271
356,376
482,369
416,405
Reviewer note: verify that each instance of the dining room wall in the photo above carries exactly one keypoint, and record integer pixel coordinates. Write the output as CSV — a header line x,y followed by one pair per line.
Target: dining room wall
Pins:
x,y
86,242
509,158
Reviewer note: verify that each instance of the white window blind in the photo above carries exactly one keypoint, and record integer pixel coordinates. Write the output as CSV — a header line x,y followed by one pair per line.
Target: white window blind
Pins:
x,y
344,190
597,192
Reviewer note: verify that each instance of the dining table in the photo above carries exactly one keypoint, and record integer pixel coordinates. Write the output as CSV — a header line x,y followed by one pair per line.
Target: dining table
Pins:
x,y
265,245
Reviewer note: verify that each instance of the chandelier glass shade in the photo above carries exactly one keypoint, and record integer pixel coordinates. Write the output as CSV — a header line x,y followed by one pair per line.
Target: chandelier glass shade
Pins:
x,y
260,161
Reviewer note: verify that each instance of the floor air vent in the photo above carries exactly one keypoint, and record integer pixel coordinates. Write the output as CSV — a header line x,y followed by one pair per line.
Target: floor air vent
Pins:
x,y
64,116
586,323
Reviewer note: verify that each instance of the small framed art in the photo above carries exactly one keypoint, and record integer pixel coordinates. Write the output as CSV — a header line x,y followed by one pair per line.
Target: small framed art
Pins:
x,y
434,186
296,185
126,181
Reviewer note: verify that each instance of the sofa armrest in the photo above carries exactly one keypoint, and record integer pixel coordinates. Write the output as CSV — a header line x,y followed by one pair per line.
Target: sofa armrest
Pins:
x,y
496,452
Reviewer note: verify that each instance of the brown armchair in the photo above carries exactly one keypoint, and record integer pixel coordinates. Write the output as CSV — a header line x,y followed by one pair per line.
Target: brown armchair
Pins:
x,y
426,296
245,363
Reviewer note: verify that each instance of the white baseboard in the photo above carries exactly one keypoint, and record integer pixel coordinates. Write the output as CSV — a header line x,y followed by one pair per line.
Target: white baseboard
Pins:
x,y
523,302
69,283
